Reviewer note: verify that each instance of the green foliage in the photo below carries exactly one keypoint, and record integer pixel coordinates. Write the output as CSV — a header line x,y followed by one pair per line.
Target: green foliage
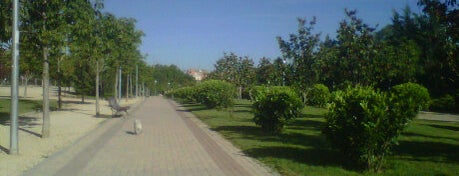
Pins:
x,y
168,77
410,97
234,69
215,94
256,92
266,72
446,103
301,51
364,124
274,107
186,93
354,122
319,95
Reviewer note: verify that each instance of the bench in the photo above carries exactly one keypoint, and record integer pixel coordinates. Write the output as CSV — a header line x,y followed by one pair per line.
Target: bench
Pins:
x,y
115,107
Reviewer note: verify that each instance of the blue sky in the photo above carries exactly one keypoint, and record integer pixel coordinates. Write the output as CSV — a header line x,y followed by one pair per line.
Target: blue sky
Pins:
x,y
196,33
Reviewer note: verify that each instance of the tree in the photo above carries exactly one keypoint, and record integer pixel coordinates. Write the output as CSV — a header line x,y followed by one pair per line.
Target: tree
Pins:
x,y
167,77
5,38
301,50
356,51
439,38
44,22
246,74
236,70
265,72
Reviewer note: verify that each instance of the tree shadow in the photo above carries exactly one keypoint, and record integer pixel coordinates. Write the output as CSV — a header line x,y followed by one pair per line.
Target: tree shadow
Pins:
x,y
243,111
305,115
243,105
453,128
74,102
4,149
251,132
256,133
197,108
410,134
309,156
130,132
302,123
22,121
30,132
428,151
103,116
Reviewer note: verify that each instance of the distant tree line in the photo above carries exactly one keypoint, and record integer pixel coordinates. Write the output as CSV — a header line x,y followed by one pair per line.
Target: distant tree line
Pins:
x,y
74,43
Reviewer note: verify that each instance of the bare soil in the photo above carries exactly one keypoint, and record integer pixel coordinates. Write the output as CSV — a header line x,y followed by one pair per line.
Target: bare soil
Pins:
x,y
71,123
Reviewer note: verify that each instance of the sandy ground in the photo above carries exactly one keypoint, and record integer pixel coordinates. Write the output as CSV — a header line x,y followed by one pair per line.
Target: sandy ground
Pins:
x,y
74,121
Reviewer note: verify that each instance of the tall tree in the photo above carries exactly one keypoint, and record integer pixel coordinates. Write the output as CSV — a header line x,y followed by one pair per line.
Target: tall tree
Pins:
x,y
301,50
440,39
5,38
43,23
237,70
356,51
265,72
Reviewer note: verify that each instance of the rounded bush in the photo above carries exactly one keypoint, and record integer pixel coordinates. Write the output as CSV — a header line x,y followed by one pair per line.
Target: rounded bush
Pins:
x,y
319,95
352,123
411,96
215,94
274,107
184,93
364,124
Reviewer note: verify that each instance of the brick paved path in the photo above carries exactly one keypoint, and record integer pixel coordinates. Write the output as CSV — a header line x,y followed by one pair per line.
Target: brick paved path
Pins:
x,y
173,142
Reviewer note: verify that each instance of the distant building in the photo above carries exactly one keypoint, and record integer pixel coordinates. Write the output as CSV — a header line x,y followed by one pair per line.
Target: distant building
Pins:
x,y
198,75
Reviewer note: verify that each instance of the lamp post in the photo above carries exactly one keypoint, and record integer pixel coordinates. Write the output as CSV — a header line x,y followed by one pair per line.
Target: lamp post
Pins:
x,y
14,82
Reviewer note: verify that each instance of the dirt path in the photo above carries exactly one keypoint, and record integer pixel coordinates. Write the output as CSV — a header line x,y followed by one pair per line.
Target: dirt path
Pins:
x,y
68,125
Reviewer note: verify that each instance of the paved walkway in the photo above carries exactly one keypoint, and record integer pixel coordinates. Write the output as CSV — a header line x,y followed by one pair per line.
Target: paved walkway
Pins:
x,y
173,142
438,116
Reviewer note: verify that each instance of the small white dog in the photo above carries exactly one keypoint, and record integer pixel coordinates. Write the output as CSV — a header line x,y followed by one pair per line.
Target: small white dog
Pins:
x,y
137,126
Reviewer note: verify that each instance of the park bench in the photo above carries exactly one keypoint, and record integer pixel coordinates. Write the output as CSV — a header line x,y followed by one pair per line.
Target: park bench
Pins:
x,y
115,107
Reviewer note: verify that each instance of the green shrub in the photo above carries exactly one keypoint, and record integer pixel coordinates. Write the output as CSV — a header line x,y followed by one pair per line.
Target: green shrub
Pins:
x,y
364,124
318,95
215,94
445,103
411,96
184,93
274,106
256,92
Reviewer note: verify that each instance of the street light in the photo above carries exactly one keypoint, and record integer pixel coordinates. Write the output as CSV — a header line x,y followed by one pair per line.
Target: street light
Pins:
x,y
14,82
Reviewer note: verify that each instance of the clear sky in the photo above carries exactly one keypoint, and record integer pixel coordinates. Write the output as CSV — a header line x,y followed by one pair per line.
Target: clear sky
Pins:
x,y
196,33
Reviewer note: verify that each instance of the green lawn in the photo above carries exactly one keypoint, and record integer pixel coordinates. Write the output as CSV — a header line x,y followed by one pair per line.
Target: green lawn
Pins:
x,y
426,147
24,106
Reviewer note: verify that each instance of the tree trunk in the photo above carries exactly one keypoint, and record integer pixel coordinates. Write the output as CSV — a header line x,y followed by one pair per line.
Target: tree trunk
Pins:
x,y
120,87
116,85
239,92
130,85
46,120
127,88
97,89
25,88
59,84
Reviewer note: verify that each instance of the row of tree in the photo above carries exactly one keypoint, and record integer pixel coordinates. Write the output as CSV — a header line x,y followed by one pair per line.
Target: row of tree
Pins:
x,y
76,44
422,48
